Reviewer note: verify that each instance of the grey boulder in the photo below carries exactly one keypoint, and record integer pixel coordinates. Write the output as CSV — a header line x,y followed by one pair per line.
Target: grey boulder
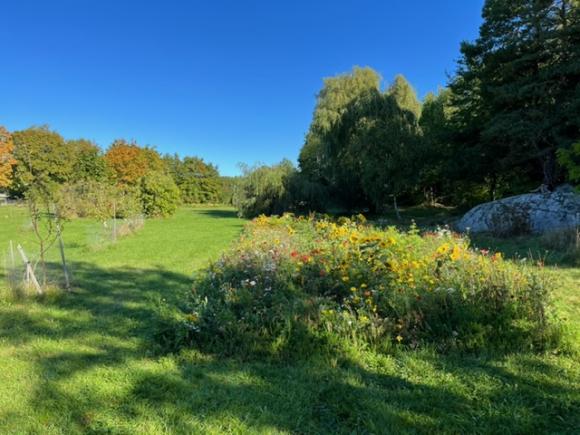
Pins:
x,y
531,213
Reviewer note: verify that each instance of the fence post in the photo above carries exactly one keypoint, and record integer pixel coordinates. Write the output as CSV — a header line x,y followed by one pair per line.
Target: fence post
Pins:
x,y
64,267
13,260
30,276
114,221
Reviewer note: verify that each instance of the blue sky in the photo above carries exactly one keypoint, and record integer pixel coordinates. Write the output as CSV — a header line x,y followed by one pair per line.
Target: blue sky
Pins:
x,y
230,81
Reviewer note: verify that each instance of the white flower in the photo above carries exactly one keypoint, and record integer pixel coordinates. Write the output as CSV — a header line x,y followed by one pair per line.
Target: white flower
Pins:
x,y
252,283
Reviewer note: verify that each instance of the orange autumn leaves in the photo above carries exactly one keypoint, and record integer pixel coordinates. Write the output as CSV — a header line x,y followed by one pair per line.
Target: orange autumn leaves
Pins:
x,y
130,162
7,160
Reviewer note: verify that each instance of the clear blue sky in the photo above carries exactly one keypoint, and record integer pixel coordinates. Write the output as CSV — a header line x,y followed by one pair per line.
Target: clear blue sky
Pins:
x,y
230,81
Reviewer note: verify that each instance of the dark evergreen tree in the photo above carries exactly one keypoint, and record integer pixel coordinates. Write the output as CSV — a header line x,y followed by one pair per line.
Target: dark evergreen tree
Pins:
x,y
517,91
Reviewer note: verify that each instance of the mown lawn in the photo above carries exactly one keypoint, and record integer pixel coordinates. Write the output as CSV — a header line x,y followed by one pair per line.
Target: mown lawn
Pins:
x,y
82,362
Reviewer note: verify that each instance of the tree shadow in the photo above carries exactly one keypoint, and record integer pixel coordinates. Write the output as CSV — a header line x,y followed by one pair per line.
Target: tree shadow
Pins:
x,y
261,397
218,213
539,396
97,373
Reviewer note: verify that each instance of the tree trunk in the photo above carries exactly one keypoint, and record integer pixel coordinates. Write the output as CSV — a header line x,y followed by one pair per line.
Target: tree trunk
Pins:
x,y
549,168
493,187
396,207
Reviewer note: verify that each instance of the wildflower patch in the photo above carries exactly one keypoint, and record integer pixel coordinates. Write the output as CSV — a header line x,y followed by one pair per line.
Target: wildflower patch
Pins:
x,y
303,285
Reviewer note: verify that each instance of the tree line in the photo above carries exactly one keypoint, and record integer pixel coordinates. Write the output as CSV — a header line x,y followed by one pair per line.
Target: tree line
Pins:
x,y
80,179
507,122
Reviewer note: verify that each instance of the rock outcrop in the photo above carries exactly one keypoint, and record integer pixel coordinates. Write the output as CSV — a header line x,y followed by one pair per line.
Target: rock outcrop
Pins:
x,y
530,213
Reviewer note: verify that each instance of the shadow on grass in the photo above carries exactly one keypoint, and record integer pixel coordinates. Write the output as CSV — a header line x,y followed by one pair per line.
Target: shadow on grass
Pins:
x,y
96,373
217,213
528,247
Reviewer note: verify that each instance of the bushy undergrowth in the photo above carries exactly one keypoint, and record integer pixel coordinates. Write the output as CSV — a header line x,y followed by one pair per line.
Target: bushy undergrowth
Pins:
x,y
97,199
566,242
113,230
305,285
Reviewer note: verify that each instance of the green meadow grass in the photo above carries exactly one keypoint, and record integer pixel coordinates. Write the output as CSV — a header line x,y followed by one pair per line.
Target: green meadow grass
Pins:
x,y
83,362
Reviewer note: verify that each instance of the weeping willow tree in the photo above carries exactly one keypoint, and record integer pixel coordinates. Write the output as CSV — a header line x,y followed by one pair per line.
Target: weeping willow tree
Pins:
x,y
263,189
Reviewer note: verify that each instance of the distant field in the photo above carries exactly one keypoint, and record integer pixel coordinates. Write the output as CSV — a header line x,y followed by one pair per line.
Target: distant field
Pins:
x,y
82,363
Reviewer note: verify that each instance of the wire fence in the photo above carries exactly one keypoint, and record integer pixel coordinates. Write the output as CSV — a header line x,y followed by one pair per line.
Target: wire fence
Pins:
x,y
22,272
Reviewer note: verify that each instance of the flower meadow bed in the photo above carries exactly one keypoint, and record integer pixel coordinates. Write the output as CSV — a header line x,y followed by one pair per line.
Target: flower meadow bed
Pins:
x,y
307,285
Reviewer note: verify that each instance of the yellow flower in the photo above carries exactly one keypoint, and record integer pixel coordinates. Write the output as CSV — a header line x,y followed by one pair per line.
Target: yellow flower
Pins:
x,y
399,338
345,279
353,289
456,254
443,249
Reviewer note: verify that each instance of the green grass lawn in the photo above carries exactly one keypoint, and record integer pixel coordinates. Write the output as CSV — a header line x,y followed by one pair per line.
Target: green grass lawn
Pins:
x,y
82,362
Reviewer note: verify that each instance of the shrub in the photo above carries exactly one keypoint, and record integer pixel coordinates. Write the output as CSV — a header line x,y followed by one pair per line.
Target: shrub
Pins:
x,y
262,189
566,242
86,199
159,195
127,203
97,199
273,189
295,286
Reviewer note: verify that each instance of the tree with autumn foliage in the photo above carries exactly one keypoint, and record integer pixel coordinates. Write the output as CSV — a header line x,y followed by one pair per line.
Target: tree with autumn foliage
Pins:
x,y
7,160
141,172
127,161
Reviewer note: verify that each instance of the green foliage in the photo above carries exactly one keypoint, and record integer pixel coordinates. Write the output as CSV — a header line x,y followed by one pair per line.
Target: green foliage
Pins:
x,y
570,160
332,101
125,181
43,160
405,95
159,195
228,186
436,152
97,199
86,198
517,91
89,161
362,143
564,242
262,189
510,109
378,142
198,181
305,195
275,189
304,286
